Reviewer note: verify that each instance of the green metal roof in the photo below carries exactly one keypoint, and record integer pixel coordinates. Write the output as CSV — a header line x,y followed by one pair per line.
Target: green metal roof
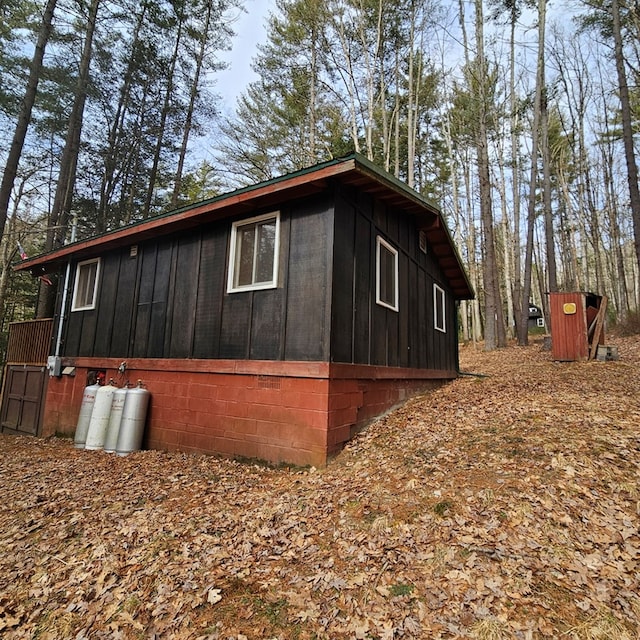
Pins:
x,y
353,169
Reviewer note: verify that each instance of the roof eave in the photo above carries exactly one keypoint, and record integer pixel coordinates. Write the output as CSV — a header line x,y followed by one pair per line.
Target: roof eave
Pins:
x,y
353,169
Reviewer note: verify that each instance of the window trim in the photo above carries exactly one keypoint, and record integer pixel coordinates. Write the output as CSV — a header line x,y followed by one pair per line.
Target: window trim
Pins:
x,y
381,242
94,296
233,247
439,301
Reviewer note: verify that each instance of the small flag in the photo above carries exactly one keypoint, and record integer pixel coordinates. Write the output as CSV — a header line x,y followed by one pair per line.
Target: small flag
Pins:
x,y
23,256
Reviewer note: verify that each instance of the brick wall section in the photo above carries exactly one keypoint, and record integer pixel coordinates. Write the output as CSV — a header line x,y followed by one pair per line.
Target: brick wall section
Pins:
x,y
300,413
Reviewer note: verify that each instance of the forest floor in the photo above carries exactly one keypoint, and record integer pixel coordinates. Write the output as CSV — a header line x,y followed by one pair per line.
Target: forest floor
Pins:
x,y
504,505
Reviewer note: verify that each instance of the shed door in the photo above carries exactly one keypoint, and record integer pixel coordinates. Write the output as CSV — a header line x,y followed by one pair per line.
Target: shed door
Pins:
x,y
22,400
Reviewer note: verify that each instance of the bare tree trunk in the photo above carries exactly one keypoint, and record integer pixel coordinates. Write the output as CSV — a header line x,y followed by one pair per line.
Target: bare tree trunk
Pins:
x,y
9,248
627,128
507,243
568,255
494,333
474,271
621,290
313,99
111,162
24,116
514,245
474,276
164,114
396,156
343,64
523,336
457,216
546,191
193,94
60,211
413,80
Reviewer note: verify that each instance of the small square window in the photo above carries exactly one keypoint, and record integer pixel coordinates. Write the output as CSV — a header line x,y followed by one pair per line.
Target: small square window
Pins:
x,y
386,274
254,253
86,285
439,309
540,322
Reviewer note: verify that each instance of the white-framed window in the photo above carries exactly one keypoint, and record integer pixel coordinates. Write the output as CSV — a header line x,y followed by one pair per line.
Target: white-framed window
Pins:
x,y
540,322
254,251
439,309
386,274
85,288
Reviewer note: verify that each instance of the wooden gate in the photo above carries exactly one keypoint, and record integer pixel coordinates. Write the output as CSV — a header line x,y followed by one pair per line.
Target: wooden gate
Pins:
x,y
25,376
23,398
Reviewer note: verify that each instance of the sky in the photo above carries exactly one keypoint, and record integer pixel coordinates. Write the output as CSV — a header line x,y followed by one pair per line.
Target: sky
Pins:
x,y
250,30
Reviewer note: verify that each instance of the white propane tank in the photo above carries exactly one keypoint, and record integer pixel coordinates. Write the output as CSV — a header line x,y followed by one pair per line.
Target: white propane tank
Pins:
x,y
134,415
88,399
100,417
113,429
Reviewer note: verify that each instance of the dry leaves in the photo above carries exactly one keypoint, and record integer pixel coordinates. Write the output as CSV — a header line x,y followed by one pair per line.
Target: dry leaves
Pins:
x,y
502,506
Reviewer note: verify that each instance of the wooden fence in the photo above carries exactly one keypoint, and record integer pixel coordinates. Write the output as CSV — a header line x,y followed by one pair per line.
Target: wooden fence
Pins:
x,y
29,342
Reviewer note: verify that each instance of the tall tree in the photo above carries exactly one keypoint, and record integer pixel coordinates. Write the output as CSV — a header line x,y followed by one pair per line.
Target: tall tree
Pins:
x,y
207,34
494,335
523,334
117,149
178,19
513,10
24,115
61,208
627,128
290,65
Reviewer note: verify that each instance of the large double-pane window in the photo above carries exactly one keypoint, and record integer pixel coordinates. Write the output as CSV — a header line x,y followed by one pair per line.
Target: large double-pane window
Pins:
x,y
86,285
254,253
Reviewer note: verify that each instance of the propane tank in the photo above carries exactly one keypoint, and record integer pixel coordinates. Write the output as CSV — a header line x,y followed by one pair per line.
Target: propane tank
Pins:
x,y
100,417
115,418
134,415
88,399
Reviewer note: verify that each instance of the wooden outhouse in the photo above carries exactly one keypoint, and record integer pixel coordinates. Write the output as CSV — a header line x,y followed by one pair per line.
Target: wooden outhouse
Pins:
x,y
577,324
270,322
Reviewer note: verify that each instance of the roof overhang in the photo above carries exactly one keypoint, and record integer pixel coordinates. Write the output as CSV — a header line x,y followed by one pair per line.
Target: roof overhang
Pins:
x,y
353,170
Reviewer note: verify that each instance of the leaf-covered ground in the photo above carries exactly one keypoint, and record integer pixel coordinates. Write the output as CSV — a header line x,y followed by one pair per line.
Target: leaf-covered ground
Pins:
x,y
501,506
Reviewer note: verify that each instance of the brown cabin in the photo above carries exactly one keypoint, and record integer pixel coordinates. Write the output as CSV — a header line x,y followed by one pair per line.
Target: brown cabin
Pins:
x,y
270,322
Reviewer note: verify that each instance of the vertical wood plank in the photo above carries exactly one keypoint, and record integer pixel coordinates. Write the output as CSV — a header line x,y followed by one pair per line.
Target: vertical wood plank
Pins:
x,y
342,301
420,339
145,299
211,288
306,336
158,312
407,316
123,308
235,326
363,294
266,321
88,332
183,307
108,287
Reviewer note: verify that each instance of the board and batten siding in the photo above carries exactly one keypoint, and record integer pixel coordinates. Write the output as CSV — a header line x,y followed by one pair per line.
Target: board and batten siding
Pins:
x,y
171,301
365,332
